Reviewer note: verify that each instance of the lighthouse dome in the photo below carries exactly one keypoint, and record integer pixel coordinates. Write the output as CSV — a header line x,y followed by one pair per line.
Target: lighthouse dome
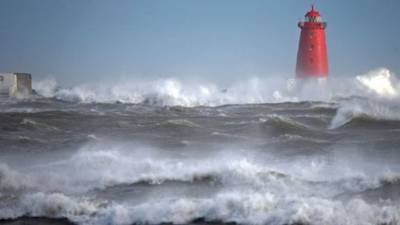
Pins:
x,y
312,13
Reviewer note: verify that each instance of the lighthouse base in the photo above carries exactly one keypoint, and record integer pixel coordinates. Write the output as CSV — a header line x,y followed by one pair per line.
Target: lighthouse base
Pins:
x,y
312,80
314,89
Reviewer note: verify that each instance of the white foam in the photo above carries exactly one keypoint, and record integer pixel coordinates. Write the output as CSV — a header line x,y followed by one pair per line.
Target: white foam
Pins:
x,y
269,192
89,169
97,166
231,206
381,82
12,180
53,205
378,83
173,92
46,87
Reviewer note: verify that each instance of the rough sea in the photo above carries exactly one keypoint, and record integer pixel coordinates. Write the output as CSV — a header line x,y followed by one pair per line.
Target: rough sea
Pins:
x,y
260,151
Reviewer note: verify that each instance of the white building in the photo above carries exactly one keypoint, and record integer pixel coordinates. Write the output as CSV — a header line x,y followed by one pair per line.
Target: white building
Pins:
x,y
15,84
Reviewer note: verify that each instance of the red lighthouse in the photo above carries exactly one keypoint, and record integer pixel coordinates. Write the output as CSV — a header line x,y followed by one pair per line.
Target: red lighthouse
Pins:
x,y
312,59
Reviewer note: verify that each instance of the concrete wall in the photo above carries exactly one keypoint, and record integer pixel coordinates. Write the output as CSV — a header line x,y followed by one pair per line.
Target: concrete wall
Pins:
x,y
15,84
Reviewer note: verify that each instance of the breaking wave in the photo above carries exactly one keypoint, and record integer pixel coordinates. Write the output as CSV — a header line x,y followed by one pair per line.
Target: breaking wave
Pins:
x,y
239,207
380,83
100,166
248,192
366,111
107,168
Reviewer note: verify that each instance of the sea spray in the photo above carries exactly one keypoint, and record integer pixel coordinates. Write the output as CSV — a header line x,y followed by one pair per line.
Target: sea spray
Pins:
x,y
378,83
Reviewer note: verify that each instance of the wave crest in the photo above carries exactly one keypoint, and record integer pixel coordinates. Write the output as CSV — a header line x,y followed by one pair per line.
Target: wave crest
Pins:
x,y
233,206
381,82
172,92
248,192
365,111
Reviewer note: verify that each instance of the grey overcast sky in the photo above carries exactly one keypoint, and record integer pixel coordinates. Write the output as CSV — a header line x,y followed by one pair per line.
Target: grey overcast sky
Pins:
x,y
78,41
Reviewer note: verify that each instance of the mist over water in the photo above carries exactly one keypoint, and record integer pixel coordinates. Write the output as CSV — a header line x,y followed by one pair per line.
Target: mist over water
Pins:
x,y
379,83
259,151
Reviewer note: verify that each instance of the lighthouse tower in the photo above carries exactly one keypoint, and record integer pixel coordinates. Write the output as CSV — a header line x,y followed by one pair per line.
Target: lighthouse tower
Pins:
x,y
312,59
